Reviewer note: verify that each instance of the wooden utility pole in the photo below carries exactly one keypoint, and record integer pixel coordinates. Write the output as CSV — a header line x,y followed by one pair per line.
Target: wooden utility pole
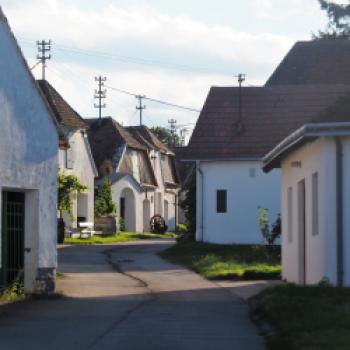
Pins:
x,y
44,47
172,123
140,107
100,95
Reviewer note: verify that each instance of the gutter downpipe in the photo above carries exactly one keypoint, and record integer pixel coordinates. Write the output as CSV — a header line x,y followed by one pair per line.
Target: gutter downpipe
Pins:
x,y
340,211
202,200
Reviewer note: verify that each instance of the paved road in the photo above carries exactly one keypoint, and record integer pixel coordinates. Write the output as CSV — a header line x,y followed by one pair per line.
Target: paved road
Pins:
x,y
126,298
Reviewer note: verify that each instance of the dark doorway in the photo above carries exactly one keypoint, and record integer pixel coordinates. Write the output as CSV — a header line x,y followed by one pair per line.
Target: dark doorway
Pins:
x,y
122,208
12,237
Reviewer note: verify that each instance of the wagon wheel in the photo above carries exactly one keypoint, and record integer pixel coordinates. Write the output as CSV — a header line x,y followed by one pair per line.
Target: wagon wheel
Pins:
x,y
158,224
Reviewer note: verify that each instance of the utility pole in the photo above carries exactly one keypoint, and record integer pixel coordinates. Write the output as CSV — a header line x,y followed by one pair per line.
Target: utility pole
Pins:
x,y
100,95
140,107
172,123
44,47
240,126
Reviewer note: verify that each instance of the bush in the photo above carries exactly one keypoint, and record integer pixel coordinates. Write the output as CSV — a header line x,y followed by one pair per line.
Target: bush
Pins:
x,y
104,204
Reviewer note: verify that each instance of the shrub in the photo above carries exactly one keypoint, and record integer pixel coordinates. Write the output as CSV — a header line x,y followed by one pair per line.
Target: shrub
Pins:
x,y
103,199
270,234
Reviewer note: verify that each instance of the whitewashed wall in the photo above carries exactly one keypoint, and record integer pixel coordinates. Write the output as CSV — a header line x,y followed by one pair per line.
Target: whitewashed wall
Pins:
x,y
321,252
28,156
84,170
247,188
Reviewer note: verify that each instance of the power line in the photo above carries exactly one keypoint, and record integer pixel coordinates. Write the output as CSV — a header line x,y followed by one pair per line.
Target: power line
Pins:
x,y
154,100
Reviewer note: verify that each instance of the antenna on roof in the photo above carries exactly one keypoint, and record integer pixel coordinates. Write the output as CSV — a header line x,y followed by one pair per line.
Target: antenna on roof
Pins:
x,y
43,48
100,95
239,125
140,107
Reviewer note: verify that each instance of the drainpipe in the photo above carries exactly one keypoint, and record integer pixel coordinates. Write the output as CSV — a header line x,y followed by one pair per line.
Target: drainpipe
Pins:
x,y
340,211
202,200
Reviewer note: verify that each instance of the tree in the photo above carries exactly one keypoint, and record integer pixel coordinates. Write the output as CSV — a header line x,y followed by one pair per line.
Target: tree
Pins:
x,y
189,203
166,136
270,234
339,20
69,186
103,199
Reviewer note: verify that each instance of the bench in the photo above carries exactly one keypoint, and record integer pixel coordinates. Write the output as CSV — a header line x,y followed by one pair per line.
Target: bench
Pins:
x,y
86,229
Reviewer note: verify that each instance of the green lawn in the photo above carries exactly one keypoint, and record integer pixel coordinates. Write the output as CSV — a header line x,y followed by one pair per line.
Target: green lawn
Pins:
x,y
120,237
306,318
227,261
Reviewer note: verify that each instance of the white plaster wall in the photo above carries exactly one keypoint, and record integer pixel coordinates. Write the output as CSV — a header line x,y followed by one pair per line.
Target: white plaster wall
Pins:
x,y
244,194
28,155
318,156
83,169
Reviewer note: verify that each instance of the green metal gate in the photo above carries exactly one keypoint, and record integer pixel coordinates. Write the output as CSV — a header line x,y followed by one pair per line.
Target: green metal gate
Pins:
x,y
12,237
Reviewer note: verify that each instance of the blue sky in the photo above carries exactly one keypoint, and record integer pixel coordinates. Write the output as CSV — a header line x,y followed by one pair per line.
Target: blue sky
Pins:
x,y
214,40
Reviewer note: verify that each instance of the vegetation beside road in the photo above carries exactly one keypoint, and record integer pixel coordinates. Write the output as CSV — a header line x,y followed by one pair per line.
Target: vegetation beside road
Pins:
x,y
213,261
120,237
12,293
305,318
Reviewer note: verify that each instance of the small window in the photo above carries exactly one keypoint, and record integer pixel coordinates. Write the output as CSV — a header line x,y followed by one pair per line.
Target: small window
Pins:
x,y
221,201
70,156
290,214
315,215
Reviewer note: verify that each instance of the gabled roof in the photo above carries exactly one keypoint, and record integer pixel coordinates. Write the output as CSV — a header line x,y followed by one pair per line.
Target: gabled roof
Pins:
x,y
107,138
269,115
65,115
146,136
334,121
324,61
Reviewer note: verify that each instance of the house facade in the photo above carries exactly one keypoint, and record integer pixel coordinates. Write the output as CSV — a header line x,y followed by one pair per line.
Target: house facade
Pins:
x,y
142,172
315,166
28,174
75,158
236,128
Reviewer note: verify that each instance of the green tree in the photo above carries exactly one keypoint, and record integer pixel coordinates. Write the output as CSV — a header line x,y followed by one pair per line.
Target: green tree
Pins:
x,y
69,186
166,136
103,199
270,234
339,20
189,204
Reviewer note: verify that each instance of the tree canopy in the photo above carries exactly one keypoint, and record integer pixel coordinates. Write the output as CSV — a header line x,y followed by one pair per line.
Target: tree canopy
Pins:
x,y
166,136
339,20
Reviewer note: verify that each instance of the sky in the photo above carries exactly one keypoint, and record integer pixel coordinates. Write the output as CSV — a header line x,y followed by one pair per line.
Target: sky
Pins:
x,y
164,49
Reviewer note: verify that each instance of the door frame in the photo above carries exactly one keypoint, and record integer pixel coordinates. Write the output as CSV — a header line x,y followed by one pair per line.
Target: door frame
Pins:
x,y
302,256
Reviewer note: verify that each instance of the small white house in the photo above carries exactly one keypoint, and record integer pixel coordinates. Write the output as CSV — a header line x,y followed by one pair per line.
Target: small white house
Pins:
x,y
28,174
75,158
315,165
142,171
235,129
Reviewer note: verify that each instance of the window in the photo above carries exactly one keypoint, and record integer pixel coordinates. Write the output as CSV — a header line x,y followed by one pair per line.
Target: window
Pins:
x,y
315,204
221,201
70,156
290,214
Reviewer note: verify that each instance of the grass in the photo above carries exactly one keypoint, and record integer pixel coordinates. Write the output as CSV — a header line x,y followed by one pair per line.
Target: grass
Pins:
x,y
120,237
306,318
227,261
12,293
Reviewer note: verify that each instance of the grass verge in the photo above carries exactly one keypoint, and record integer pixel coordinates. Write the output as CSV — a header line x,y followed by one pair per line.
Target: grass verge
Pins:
x,y
227,261
120,237
305,318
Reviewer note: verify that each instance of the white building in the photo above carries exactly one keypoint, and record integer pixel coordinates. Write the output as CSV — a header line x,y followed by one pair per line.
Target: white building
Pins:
x,y
76,157
28,174
142,171
236,128
315,164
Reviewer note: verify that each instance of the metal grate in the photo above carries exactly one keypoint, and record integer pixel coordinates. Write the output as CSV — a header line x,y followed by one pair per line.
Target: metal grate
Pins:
x,y
12,237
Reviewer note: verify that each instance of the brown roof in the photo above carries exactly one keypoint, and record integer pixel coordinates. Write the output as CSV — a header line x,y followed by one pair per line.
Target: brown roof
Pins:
x,y
146,136
323,61
64,113
107,137
269,115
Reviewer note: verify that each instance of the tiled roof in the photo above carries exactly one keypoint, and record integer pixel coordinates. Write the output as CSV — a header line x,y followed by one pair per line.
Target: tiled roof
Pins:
x,y
65,115
146,136
269,114
323,61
